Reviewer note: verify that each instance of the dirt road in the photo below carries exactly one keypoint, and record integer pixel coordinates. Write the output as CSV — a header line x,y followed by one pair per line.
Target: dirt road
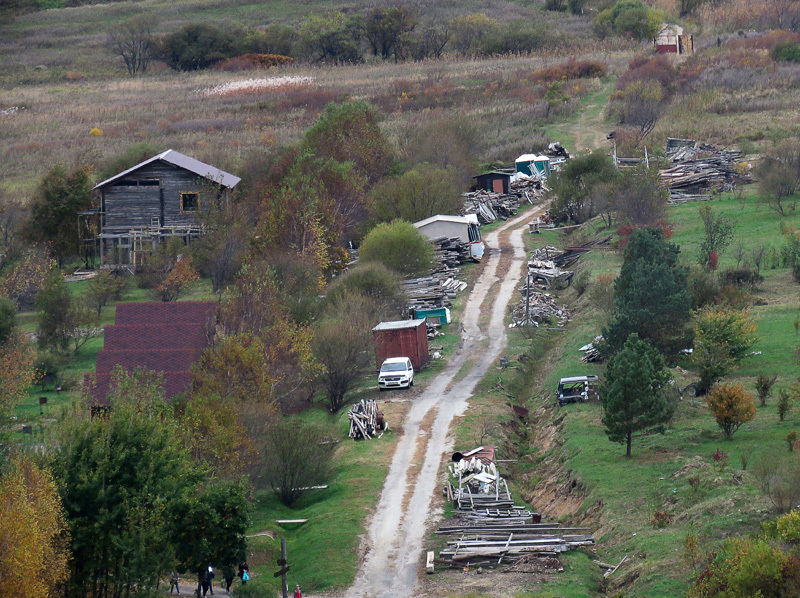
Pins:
x,y
394,549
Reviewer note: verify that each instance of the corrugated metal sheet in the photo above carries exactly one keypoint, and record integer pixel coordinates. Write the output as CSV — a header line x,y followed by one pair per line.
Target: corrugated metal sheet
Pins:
x,y
180,160
398,325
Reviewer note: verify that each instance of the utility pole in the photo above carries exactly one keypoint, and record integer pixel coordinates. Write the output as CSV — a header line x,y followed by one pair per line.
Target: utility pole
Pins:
x,y
284,580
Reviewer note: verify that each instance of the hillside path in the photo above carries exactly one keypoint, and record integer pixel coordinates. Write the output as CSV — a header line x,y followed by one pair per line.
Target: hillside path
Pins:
x,y
404,510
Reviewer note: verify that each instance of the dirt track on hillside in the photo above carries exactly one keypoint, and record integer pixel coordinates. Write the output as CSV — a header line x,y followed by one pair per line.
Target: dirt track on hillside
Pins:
x,y
404,511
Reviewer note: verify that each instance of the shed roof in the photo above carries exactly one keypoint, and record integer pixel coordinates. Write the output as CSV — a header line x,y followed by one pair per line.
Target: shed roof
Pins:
x,y
495,173
180,160
398,325
445,218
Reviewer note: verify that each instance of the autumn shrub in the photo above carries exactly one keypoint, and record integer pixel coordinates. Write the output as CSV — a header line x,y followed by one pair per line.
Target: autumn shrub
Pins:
x,y
784,403
732,406
658,69
624,232
703,286
247,62
742,567
572,69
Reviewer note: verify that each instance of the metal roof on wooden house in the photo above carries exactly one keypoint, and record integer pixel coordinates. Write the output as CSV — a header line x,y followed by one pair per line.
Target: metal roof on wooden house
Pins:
x,y
180,160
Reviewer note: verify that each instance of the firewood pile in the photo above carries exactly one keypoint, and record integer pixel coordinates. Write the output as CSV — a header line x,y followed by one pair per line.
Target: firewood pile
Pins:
x,y
489,530
365,420
542,308
698,166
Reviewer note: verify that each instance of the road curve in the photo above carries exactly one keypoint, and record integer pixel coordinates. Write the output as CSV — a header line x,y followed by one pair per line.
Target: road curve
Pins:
x,y
398,525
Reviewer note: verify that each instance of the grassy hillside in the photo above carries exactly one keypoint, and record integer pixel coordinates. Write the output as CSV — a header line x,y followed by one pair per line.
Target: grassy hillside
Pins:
x,y
569,469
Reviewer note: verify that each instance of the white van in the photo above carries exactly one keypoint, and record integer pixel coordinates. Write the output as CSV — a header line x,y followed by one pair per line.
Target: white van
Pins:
x,y
396,372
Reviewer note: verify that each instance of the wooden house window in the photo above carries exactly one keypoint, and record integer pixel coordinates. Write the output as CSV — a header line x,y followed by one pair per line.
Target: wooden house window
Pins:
x,y
149,182
189,202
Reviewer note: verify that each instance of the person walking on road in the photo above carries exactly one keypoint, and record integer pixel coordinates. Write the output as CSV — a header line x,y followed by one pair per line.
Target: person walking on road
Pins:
x,y
297,593
173,583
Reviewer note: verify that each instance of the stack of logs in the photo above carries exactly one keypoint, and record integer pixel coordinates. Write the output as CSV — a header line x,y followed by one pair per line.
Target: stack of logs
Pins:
x,y
491,206
489,530
365,420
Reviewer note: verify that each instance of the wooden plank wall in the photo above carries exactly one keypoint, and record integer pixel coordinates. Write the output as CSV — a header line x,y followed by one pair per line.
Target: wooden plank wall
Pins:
x,y
128,207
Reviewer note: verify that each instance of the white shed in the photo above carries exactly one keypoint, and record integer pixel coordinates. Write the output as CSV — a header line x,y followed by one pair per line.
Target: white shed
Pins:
x,y
466,228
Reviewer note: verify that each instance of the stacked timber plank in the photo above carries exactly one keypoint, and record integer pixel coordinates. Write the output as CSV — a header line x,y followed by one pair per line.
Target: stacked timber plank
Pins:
x,y
489,530
699,166
431,292
491,206
365,420
451,252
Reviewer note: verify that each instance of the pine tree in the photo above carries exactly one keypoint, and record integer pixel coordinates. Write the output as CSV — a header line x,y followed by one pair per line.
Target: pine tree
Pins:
x,y
650,296
631,396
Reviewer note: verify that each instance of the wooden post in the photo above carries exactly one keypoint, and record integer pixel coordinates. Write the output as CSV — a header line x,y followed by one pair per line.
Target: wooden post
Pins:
x,y
284,581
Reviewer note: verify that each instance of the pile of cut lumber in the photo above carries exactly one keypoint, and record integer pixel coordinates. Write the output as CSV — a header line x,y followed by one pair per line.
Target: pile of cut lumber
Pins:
x,y
491,206
489,530
430,292
451,252
365,420
699,166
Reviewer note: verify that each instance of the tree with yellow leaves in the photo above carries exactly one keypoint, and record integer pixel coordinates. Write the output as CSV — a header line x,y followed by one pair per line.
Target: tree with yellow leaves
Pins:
x,y
722,338
33,537
732,406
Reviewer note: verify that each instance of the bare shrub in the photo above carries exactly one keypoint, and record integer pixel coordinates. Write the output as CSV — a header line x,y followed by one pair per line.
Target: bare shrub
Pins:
x,y
779,478
295,455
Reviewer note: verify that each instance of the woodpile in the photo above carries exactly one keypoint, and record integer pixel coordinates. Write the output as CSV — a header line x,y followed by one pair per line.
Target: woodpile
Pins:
x,y
365,420
539,309
489,530
430,292
491,206
676,197
451,252
699,166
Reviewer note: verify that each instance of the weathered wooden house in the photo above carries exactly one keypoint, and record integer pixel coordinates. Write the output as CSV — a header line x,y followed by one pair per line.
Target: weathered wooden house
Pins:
x,y
156,199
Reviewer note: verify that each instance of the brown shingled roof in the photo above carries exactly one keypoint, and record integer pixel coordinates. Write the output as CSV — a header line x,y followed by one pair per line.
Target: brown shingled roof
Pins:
x,y
162,337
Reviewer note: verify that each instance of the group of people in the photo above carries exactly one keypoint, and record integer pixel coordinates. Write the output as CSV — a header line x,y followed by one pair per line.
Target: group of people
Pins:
x,y
206,580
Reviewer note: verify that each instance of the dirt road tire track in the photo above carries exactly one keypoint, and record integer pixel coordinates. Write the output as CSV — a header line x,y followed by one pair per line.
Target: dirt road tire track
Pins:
x,y
398,526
